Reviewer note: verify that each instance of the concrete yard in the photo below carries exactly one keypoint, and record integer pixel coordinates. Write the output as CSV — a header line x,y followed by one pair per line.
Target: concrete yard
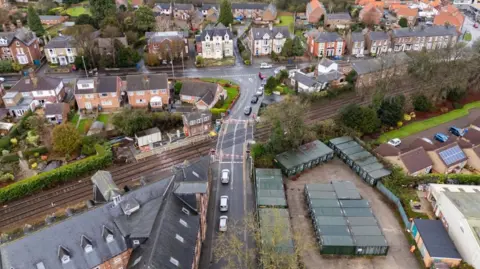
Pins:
x,y
399,256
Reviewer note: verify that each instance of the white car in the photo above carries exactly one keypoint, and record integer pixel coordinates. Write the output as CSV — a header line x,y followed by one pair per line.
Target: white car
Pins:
x,y
278,69
265,66
259,92
223,203
2,79
395,142
222,226
225,176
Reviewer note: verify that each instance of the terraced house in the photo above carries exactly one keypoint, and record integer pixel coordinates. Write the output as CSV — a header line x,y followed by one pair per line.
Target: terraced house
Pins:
x,y
264,41
102,93
215,42
329,44
61,50
248,10
20,46
430,37
149,89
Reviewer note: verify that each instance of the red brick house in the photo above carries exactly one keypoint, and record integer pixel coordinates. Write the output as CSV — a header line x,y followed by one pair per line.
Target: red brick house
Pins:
x,y
315,11
321,44
204,95
20,46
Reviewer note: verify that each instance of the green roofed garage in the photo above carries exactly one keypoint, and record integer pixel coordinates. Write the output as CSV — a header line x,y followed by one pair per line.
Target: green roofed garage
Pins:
x,y
305,157
269,188
275,228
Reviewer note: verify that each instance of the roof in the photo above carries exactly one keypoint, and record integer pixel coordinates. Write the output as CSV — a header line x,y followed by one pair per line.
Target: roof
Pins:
x,y
303,154
378,35
43,83
416,160
191,187
249,6
304,79
24,35
50,17
208,6
454,18
362,221
269,188
358,37
272,221
206,91
56,108
194,116
107,84
259,33
183,6
346,190
103,182
338,16
473,136
377,64
106,42
406,12
369,240
147,82
420,142
436,239
157,37
146,132
63,41
321,37
330,76
386,149
100,85
272,8
314,4
326,62
433,30
451,154
219,30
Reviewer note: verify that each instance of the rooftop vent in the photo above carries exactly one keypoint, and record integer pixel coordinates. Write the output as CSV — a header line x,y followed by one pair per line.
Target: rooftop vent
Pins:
x,y
86,244
107,234
40,265
63,254
186,211
195,174
129,206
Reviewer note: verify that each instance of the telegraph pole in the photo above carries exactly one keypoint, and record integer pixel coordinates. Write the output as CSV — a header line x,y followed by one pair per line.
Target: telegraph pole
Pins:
x,y
84,67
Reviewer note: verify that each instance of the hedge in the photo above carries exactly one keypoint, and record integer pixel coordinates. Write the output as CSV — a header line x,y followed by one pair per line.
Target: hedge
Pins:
x,y
5,143
12,157
51,178
30,152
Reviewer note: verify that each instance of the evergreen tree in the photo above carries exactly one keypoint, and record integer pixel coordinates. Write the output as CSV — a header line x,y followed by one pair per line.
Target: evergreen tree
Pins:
x,y
287,50
101,9
226,15
297,48
34,21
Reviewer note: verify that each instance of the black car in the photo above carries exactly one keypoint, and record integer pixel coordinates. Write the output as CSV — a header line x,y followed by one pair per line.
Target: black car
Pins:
x,y
254,99
247,110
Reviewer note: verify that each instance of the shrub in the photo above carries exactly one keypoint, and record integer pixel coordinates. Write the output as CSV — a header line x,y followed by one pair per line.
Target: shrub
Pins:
x,y
363,119
9,158
5,143
177,87
34,151
421,103
456,94
6,177
247,62
64,173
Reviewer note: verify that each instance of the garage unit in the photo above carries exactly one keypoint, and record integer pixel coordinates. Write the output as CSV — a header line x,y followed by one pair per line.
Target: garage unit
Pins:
x,y
294,162
269,191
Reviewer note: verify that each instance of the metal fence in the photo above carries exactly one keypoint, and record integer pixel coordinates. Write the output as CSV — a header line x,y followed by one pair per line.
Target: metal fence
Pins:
x,y
397,202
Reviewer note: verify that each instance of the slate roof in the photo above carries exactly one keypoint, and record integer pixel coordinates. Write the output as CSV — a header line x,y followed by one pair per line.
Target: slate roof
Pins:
x,y
451,154
436,239
205,90
147,82
378,35
43,84
24,35
433,30
164,5
321,37
219,30
330,76
156,37
107,84
63,41
357,37
194,116
416,160
56,108
338,16
208,6
376,64
326,62
183,6
259,33
50,17
304,79
249,6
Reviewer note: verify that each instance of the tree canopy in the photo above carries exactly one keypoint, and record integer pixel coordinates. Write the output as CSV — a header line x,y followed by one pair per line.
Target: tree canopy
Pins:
x,y
362,119
85,19
66,138
391,110
144,19
34,22
101,9
226,15
403,22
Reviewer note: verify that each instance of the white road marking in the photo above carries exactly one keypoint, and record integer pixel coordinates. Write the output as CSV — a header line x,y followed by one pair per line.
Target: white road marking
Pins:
x,y
250,79
231,162
233,153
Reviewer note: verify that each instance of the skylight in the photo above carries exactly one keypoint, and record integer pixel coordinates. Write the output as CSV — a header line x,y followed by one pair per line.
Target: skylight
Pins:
x,y
184,223
174,261
179,238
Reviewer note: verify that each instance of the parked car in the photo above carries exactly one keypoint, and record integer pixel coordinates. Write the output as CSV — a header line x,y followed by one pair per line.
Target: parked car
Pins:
x,y
254,99
263,83
223,203
475,25
278,69
225,176
260,75
247,110
395,142
265,66
457,131
2,79
259,92
441,137
222,226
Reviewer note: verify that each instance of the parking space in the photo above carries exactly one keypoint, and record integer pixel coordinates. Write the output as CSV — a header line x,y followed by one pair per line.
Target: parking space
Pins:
x,y
398,255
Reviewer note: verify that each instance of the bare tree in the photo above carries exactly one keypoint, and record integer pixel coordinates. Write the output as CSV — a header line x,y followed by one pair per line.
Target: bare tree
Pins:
x,y
112,33
84,38
371,17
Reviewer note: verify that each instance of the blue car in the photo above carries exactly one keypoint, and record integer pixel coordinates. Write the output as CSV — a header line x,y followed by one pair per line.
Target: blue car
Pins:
x,y
457,131
441,137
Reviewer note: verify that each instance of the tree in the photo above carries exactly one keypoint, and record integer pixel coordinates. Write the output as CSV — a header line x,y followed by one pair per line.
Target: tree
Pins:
x,y
226,15
282,75
101,9
177,87
287,50
110,21
144,19
34,22
421,103
43,6
66,138
4,18
88,144
371,17
272,83
36,123
362,119
18,16
298,49
126,56
199,61
151,59
130,122
82,34
112,32
391,110
85,19
403,22
5,66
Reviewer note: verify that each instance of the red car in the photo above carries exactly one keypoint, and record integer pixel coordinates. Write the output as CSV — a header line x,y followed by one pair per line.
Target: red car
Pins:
x,y
475,25
260,75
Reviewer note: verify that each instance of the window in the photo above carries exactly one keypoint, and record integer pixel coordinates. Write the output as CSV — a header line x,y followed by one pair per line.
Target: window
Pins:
x,y
140,93
192,122
164,90
17,44
199,121
184,223
205,118
51,51
174,261
130,94
20,51
106,103
114,94
184,210
109,238
154,91
179,238
71,59
136,242
104,94
140,101
89,96
85,85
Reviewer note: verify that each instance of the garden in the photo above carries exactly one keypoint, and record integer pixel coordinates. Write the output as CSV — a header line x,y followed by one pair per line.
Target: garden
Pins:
x,y
77,10
286,20
233,92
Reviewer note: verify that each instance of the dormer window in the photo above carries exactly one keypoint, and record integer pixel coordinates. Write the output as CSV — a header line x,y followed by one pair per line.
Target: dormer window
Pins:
x,y
226,37
107,234
65,259
88,248
109,238
207,38
86,244
64,254
17,43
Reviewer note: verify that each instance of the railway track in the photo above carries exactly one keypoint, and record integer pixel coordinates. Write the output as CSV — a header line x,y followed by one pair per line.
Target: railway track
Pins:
x,y
73,193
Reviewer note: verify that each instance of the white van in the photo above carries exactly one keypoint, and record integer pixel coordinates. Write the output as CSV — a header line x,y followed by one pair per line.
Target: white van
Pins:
x,y
224,203
225,176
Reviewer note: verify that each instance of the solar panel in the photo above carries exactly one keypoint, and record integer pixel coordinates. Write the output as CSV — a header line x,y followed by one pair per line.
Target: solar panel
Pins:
x,y
452,155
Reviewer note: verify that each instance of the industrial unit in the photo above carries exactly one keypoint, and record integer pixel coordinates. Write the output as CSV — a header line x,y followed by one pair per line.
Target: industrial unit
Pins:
x,y
269,189
360,160
343,222
305,157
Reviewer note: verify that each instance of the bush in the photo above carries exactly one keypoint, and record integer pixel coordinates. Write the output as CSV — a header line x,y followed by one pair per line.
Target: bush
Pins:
x,y
391,110
6,177
6,66
9,158
363,119
421,103
455,95
247,62
64,173
5,143
31,152
177,87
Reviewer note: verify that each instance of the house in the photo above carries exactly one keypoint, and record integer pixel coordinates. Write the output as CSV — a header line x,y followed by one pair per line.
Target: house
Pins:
x,y
434,243
329,44
430,37
248,10
204,95
182,11
102,93
475,124
215,42
52,19
413,162
212,15
197,123
17,105
448,159
206,8
57,112
309,83
449,15
148,90
162,9
411,14
61,50
380,4
371,14
356,43
21,46
137,3
196,21
159,225
264,41
457,207
167,45
470,144
147,138
106,45
340,20
270,13
315,11
326,65
377,43
43,89
369,70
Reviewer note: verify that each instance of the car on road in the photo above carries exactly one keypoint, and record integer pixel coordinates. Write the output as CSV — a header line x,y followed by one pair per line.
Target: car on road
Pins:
x,y
261,76
475,25
225,176
259,92
223,203
247,110
2,79
278,69
265,66
222,226
457,131
441,137
254,99
395,142
263,83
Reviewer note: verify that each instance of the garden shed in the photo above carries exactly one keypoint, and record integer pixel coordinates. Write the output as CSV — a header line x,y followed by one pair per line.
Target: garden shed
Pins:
x,y
269,189
148,137
305,157
360,160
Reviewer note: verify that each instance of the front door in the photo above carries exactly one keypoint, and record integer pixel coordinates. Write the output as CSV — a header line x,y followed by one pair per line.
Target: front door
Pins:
x,y
62,60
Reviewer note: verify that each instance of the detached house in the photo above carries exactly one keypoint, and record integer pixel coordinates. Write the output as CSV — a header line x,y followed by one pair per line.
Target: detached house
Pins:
x,y
377,43
17,105
215,42
450,15
167,45
414,162
270,13
43,89
448,159
61,50
182,11
197,123
20,46
148,89
315,11
265,40
430,37
321,44
204,95
205,8
102,93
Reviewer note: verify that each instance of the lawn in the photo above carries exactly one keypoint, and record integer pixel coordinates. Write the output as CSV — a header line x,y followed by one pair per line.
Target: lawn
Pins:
x,y
77,11
286,20
423,125
84,125
232,93
53,31
75,119
105,118
219,62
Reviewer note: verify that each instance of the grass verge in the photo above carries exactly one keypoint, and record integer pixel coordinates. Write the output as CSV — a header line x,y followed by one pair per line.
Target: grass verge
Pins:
x,y
75,119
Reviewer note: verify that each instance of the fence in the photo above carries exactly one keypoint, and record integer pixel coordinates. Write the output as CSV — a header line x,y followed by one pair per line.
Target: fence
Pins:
x,y
397,202
171,146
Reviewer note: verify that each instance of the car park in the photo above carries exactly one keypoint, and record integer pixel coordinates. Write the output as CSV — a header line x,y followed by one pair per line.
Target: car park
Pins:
x,y
441,137
394,142
225,176
247,110
223,203
457,131
265,66
254,99
222,225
